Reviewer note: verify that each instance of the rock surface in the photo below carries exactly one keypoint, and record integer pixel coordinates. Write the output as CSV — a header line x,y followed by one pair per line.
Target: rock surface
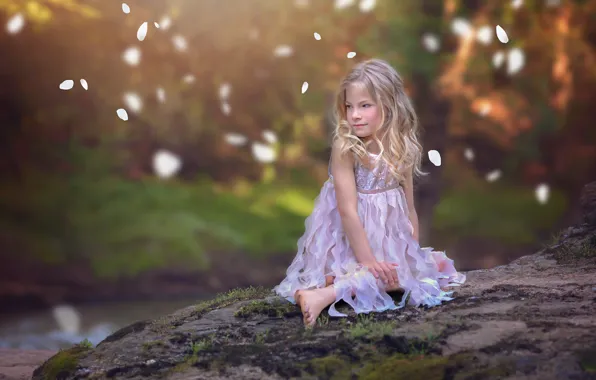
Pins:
x,y
534,318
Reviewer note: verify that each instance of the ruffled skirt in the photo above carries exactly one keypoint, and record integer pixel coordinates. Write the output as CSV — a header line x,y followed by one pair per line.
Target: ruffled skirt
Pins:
x,y
324,250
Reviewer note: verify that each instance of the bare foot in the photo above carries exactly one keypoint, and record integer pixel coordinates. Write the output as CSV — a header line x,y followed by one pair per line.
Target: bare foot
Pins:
x,y
312,302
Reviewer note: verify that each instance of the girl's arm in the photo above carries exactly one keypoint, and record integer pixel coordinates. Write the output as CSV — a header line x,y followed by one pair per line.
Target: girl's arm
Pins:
x,y
409,190
342,169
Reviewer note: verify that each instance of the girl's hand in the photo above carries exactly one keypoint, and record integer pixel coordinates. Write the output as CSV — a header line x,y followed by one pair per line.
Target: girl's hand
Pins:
x,y
386,271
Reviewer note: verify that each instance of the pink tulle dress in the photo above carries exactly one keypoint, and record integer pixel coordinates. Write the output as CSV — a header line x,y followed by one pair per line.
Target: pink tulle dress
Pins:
x,y
324,250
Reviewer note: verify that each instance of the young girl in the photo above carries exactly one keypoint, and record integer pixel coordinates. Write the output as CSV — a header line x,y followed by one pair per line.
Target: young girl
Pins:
x,y
361,240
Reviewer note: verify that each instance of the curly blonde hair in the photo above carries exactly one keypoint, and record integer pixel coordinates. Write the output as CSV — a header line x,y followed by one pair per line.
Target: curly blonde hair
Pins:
x,y
399,131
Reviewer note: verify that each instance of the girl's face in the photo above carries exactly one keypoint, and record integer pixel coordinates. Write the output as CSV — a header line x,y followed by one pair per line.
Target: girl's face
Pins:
x,y
363,114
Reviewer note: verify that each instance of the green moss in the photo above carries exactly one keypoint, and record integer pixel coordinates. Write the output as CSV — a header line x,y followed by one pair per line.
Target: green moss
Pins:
x,y
261,307
330,367
367,328
587,360
402,367
63,363
231,297
569,253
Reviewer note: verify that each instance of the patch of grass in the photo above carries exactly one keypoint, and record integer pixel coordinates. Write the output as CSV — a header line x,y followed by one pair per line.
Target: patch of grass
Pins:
x,y
231,297
262,307
368,328
568,253
64,363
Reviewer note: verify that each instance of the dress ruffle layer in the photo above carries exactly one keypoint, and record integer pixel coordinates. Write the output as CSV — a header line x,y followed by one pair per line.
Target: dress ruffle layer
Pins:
x,y
324,250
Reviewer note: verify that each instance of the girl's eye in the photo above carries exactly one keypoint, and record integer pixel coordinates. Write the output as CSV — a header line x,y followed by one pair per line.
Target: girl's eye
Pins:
x,y
366,105
347,106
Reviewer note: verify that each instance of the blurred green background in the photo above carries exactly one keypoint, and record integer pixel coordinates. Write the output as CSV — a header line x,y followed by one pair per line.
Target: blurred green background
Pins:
x,y
222,155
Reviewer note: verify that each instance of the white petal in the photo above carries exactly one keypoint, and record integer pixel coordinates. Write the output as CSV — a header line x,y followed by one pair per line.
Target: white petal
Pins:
x,y
156,24
68,319
132,56
351,54
67,84
542,193
283,51
485,35
469,154
517,3
188,79
263,153
235,139
15,24
122,114
161,94
84,84
485,109
498,59
226,108
180,43
342,4
434,157
125,8
367,5
515,61
142,31
430,42
224,91
165,23
304,87
461,27
166,164
493,175
301,3
502,35
270,137
317,36
133,102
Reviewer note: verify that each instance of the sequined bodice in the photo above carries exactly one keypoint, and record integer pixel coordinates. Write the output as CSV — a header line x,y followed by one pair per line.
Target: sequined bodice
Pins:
x,y
372,180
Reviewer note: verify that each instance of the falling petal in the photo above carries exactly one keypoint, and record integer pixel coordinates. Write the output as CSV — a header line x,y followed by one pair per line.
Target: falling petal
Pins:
x,y
304,87
430,42
235,139
166,164
224,91
142,32
67,84
132,56
301,3
253,34
517,3
498,59
317,36
351,55
515,61
84,84
133,102
367,5
485,35
180,43
125,8
226,108
15,24
67,318
434,157
270,137
542,193
493,175
156,24
283,51
553,3
461,27
165,23
502,35
263,153
188,79
485,109
122,114
160,93
469,154
342,4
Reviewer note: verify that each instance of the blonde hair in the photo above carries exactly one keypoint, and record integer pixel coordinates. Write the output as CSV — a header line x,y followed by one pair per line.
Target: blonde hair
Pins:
x,y
400,148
